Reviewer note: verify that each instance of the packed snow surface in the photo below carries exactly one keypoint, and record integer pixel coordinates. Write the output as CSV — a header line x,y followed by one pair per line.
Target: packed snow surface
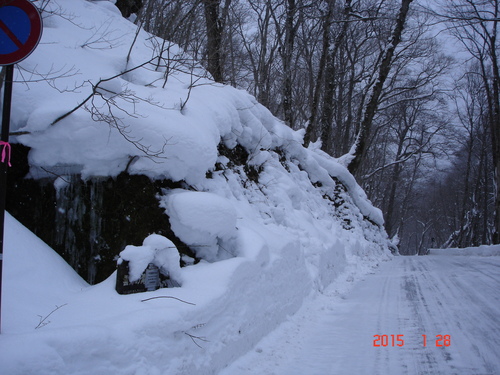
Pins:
x,y
428,315
483,251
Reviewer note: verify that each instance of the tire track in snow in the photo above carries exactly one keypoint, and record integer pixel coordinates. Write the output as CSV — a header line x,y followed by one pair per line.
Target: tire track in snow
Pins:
x,y
471,301
412,296
425,360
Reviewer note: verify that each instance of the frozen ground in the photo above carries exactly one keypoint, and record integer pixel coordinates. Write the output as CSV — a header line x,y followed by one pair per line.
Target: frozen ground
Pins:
x,y
433,295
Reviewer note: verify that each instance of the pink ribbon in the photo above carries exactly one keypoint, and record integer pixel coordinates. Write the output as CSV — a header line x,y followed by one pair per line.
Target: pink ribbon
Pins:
x,y
6,149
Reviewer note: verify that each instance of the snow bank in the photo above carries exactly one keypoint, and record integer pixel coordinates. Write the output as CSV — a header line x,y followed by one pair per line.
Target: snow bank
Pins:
x,y
218,314
36,279
482,251
204,221
274,225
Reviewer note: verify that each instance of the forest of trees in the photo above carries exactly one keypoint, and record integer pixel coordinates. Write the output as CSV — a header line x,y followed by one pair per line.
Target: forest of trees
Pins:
x,y
404,94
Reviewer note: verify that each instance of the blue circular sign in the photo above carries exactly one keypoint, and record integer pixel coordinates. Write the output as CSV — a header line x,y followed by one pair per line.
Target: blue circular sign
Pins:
x,y
20,30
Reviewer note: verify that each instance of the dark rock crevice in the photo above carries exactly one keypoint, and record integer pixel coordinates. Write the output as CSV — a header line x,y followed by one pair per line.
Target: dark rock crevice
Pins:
x,y
89,222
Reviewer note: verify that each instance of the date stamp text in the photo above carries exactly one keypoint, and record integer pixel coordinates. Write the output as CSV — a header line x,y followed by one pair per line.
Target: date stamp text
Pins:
x,y
398,340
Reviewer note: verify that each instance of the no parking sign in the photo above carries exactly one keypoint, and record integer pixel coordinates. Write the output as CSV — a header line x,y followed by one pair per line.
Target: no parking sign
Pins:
x,y
20,30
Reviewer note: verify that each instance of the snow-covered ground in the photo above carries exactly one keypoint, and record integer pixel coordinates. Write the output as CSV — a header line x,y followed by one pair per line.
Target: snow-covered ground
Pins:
x,y
483,251
440,296
55,323
237,303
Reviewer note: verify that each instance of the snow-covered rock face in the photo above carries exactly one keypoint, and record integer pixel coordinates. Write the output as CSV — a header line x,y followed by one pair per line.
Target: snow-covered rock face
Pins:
x,y
111,103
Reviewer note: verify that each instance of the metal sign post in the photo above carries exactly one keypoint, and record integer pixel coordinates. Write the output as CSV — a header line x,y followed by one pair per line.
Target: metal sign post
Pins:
x,y
7,99
20,32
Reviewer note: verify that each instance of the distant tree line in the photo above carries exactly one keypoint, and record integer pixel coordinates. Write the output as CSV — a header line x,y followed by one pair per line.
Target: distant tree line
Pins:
x,y
370,83
466,197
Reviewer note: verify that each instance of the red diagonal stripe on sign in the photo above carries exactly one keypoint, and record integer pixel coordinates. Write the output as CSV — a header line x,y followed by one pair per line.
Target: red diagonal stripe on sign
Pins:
x,y
10,34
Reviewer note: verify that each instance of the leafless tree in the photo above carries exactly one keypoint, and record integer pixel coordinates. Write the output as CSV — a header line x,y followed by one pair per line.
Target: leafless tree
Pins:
x,y
475,24
371,106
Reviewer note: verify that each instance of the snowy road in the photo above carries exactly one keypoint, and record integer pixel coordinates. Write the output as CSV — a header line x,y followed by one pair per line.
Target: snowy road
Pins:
x,y
433,295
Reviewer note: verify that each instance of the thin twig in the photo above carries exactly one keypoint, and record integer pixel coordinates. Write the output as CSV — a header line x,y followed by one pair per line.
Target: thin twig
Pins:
x,y
192,337
178,299
43,322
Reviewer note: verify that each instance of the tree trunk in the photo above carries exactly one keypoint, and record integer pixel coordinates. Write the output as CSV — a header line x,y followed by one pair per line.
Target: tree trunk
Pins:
x,y
493,93
495,129
312,123
330,82
128,7
358,150
214,39
287,56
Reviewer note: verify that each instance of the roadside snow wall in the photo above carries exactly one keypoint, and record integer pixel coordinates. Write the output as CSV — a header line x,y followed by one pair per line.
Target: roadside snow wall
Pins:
x,y
269,221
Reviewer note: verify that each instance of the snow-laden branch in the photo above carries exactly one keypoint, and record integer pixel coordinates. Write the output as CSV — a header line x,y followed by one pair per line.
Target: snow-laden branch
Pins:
x,y
399,161
96,88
